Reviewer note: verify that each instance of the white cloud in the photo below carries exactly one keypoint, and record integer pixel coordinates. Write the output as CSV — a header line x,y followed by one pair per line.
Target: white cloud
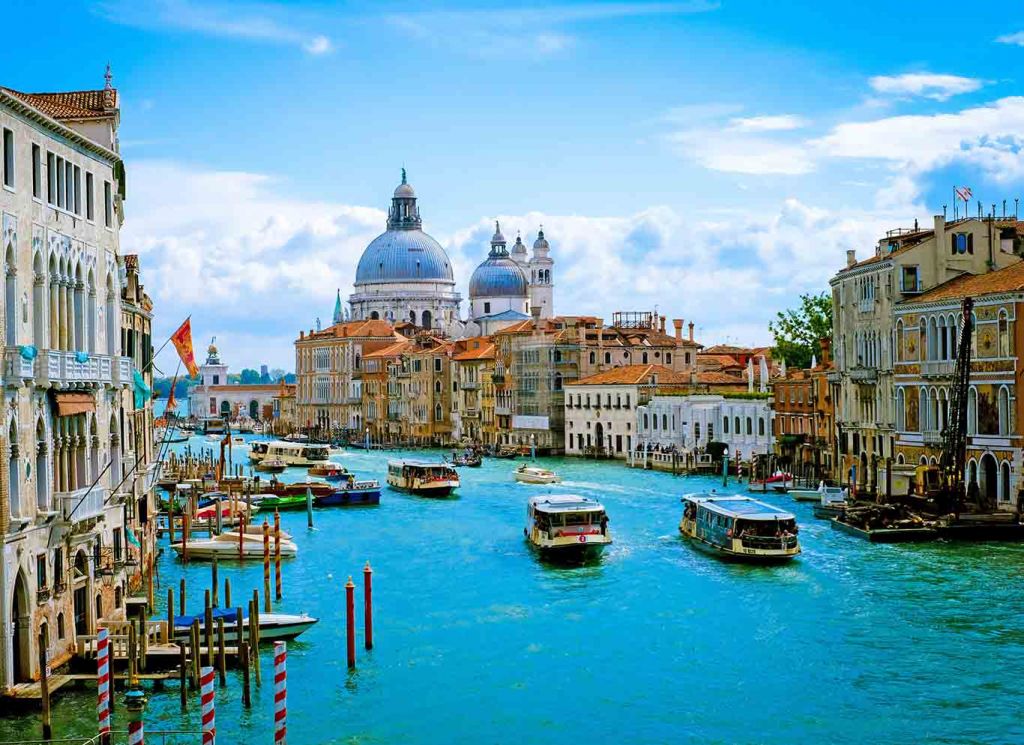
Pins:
x,y
737,151
924,84
1014,38
552,43
265,22
254,266
775,123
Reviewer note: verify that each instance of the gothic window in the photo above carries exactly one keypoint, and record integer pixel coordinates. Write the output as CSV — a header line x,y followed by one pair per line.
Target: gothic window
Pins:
x,y
725,425
1004,335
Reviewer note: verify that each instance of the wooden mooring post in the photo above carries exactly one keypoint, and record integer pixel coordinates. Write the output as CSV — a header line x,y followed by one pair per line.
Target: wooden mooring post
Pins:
x,y
44,688
222,662
278,589
182,675
266,566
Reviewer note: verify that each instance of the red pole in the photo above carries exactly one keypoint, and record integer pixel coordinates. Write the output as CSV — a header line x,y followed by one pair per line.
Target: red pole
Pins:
x,y
350,621
241,537
368,605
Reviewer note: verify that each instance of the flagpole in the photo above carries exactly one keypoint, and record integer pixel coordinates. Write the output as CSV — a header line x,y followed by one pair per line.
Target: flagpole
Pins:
x,y
166,342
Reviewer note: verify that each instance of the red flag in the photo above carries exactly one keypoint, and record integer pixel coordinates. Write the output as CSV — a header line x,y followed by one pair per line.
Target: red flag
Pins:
x,y
182,340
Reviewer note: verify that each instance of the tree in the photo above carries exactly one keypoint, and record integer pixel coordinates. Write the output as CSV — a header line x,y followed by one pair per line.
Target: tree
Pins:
x,y
250,376
798,331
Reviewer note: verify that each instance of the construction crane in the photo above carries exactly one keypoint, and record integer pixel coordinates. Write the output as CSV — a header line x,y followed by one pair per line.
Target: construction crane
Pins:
x,y
950,497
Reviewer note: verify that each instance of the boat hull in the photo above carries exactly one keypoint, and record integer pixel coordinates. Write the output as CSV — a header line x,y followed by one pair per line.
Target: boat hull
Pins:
x,y
526,479
425,491
251,549
349,498
273,627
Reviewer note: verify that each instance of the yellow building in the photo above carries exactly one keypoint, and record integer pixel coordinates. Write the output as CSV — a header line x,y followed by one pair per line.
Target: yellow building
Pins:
x,y
472,371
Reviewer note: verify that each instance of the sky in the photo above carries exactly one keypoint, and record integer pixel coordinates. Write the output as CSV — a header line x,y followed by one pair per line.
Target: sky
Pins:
x,y
711,160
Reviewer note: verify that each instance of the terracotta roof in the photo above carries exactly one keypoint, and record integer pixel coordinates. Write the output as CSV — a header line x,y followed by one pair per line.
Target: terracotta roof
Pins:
x,y
1009,279
393,350
67,105
635,374
353,329
717,361
256,388
715,377
474,348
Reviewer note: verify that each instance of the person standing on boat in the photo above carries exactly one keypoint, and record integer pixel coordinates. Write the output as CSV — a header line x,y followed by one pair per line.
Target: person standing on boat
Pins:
x,y
604,524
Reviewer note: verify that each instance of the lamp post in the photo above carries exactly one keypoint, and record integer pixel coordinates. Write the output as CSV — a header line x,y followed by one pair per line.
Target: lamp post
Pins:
x,y
367,438
725,466
533,447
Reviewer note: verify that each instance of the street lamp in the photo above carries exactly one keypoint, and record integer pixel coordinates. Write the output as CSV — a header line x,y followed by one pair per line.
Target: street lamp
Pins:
x,y
533,446
725,466
367,438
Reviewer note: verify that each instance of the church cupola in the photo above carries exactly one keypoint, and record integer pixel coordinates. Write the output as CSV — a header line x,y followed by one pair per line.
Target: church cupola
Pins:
x,y
404,214
519,251
339,315
498,244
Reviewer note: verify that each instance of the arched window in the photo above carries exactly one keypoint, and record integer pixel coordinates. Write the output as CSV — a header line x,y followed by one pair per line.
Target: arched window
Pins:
x,y
374,315
38,303
1004,482
111,318
90,314
899,340
900,459
1004,411
437,386
1004,334
760,426
725,425
922,343
664,422
972,411
13,471
428,320
736,425
438,413
558,381
901,411
412,317
593,358
942,345
750,426
933,335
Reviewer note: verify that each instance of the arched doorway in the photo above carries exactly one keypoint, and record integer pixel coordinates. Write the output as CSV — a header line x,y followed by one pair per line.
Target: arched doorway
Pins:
x,y
1004,481
427,320
22,619
254,409
599,437
374,315
225,409
989,480
412,317
80,579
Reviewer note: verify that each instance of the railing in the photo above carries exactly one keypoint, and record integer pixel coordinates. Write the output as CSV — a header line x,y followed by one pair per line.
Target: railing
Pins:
x,y
834,376
471,413
469,385
864,375
56,367
937,367
769,542
16,367
932,436
503,411
82,504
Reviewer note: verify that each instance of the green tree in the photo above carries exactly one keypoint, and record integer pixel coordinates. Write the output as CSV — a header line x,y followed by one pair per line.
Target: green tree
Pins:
x,y
798,331
250,376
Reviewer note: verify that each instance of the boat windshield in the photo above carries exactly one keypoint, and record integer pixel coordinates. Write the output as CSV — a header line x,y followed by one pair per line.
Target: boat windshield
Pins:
x,y
764,528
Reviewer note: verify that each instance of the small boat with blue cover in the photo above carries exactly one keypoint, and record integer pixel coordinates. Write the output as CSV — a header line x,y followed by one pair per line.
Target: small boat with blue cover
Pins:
x,y
352,493
273,626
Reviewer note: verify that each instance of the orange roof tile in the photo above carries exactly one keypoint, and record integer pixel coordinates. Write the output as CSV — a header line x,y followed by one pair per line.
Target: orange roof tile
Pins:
x,y
715,377
66,105
633,375
392,350
1009,279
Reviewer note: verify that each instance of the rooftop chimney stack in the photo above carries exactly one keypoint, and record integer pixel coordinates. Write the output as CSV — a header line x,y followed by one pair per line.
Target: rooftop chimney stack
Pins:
x,y
678,323
851,257
691,330
826,350
662,324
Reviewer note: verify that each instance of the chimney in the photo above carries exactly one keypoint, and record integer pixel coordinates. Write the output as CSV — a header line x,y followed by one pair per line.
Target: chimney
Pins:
x,y
826,350
678,323
662,324
851,257
691,330
302,334
941,250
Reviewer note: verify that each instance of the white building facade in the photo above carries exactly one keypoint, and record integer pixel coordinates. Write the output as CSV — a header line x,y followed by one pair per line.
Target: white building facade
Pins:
x,y
688,423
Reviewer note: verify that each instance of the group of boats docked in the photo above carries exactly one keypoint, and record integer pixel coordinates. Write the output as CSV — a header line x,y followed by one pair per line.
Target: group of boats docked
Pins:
x,y
829,501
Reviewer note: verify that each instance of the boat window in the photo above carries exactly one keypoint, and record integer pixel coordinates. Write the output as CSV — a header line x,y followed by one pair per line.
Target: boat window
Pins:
x,y
575,518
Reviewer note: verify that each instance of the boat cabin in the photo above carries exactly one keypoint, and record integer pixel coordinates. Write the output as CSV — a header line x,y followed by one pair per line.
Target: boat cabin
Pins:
x,y
740,525
558,515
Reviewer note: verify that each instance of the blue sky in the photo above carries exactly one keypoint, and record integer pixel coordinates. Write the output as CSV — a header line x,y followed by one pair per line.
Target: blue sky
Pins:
x,y
677,153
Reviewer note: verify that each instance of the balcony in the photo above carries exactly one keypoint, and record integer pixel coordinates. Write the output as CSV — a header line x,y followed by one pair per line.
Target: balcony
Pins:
x,y
503,411
932,437
469,385
937,368
17,369
864,375
82,504
471,413
65,370
834,376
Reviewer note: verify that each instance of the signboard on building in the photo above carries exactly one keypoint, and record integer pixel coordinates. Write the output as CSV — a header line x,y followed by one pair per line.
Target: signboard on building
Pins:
x,y
529,422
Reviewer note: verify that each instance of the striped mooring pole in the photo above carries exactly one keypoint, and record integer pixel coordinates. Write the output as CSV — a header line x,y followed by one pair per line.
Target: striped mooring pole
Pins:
x,y
103,684
136,736
206,676
280,693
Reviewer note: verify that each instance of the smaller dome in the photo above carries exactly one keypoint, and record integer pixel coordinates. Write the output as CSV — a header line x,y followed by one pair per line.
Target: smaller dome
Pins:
x,y
405,191
518,249
498,276
541,241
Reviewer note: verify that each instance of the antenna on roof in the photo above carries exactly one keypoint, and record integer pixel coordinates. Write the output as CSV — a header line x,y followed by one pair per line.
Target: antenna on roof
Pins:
x,y
108,76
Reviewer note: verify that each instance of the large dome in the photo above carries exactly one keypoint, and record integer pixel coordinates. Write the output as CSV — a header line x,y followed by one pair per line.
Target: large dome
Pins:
x,y
404,253
404,256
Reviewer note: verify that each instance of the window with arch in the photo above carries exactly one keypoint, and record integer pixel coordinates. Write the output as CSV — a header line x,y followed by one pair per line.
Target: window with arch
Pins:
x,y
760,426
696,430
899,340
750,426
1004,410
607,358
1004,334
1004,482
647,424
593,358
725,425
664,422
643,358
736,425
901,410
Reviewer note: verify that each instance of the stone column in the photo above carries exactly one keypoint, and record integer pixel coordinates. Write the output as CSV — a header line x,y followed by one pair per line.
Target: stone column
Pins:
x,y
62,313
69,291
54,341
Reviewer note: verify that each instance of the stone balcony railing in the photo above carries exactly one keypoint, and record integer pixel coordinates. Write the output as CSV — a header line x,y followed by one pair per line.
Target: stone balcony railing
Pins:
x,y
471,413
864,375
469,385
937,368
82,504
503,411
61,369
932,436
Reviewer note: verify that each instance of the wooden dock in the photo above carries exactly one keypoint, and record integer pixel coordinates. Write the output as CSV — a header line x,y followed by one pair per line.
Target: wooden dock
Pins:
x,y
887,535
29,692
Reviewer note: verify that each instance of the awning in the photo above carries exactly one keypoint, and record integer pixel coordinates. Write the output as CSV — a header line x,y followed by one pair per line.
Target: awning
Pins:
x,y
69,404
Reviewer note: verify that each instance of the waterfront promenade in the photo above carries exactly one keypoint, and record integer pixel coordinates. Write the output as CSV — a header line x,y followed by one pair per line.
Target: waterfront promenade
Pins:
x,y
477,641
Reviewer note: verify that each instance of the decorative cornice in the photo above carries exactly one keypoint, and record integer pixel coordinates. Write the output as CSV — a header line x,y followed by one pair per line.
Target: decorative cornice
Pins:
x,y
35,115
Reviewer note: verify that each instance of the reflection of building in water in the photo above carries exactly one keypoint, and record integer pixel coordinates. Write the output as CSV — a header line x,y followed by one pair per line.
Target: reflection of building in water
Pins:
x,y
215,396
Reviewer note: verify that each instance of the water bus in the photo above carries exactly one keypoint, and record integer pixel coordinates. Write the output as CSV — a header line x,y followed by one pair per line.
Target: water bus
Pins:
x,y
257,451
428,479
566,526
534,475
295,453
739,527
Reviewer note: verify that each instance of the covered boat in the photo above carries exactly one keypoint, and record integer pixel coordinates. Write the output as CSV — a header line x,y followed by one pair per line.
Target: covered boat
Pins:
x,y
271,465
831,502
329,471
225,546
273,626
567,526
352,493
780,481
426,478
739,527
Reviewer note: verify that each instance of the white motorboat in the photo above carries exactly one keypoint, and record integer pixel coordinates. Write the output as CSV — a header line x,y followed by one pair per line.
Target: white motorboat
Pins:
x,y
273,626
225,546
528,474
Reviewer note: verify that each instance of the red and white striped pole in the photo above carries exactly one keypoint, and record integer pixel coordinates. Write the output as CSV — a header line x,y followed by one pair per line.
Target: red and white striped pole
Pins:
x,y
103,683
280,693
136,736
206,700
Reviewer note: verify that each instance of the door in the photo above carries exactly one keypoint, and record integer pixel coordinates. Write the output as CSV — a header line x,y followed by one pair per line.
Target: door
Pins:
x,y
22,622
81,616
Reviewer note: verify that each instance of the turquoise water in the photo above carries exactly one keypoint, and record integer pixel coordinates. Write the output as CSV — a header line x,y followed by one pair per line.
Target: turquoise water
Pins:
x,y
477,641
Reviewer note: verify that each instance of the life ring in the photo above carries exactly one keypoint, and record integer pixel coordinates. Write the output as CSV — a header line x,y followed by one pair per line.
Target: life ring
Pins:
x,y
583,538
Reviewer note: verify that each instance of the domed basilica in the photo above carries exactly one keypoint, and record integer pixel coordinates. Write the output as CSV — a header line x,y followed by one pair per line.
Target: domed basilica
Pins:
x,y
405,275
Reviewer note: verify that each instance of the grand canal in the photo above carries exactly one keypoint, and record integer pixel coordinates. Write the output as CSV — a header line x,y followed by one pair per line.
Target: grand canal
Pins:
x,y
476,641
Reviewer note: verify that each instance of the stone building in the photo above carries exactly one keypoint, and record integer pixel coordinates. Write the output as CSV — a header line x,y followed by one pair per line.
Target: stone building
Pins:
x,y
635,338
927,332
71,480
328,372
473,390
382,380
796,426
405,275
217,397
687,422
905,264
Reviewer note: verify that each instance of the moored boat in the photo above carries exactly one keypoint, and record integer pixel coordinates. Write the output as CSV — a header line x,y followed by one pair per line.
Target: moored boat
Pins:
x,y
428,479
271,465
257,451
780,481
281,489
351,494
329,471
528,474
273,626
739,527
226,546
296,453
831,502
566,526
284,502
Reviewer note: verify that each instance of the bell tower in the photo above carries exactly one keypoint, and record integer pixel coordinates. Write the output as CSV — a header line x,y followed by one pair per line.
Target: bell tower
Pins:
x,y
542,288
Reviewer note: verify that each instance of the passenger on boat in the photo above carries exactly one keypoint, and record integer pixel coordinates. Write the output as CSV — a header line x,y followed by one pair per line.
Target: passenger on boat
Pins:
x,y
604,524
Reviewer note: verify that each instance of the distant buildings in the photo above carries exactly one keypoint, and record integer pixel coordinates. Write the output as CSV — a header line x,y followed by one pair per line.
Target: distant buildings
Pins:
x,y
215,396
